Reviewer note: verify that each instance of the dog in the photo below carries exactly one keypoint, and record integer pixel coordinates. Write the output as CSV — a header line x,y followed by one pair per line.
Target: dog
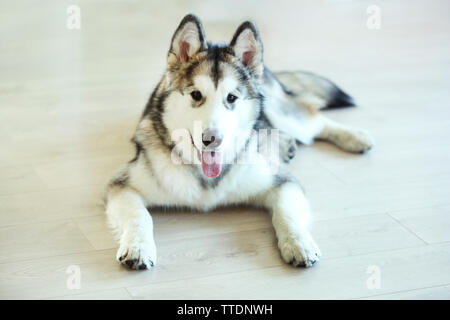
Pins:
x,y
199,146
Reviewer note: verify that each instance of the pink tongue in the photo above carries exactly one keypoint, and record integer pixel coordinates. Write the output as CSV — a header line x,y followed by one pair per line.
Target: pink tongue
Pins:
x,y
211,163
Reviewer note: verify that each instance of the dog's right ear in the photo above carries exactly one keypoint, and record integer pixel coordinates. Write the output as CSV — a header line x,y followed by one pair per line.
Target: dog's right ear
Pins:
x,y
188,39
248,48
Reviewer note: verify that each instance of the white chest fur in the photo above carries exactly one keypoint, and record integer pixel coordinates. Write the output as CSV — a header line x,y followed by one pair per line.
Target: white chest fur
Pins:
x,y
162,182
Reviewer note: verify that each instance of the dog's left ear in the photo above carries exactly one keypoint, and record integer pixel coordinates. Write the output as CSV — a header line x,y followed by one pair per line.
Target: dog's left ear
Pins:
x,y
188,39
248,48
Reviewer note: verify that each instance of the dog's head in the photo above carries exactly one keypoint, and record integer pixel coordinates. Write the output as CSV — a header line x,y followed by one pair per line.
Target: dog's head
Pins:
x,y
213,92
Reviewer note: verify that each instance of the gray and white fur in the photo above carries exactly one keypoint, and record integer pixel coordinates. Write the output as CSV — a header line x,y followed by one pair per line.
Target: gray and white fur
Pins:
x,y
224,90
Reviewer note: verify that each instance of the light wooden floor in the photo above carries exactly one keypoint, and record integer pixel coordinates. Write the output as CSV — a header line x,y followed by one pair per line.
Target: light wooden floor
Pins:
x,y
69,102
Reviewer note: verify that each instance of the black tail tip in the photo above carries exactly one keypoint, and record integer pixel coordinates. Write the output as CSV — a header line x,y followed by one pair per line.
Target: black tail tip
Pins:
x,y
340,99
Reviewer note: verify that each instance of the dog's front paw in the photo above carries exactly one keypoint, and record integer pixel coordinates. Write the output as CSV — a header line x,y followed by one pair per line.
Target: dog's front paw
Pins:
x,y
137,255
300,251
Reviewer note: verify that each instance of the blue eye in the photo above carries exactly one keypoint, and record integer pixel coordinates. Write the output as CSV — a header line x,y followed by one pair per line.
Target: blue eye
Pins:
x,y
231,98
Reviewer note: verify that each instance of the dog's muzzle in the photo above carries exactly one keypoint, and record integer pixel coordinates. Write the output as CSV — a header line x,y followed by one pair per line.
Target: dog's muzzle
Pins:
x,y
211,156
211,139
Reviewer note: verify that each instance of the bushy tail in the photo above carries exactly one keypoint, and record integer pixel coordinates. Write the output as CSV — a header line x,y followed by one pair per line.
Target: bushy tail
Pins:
x,y
301,83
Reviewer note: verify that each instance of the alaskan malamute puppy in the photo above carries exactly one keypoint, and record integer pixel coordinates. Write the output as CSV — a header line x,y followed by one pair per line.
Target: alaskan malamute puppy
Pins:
x,y
203,138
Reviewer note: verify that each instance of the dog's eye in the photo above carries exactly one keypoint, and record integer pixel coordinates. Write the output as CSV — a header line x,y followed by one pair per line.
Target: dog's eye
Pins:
x,y
231,98
196,95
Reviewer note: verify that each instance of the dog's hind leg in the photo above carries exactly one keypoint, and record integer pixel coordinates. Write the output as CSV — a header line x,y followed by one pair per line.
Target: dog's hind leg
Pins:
x,y
346,138
133,225
307,127
288,147
294,101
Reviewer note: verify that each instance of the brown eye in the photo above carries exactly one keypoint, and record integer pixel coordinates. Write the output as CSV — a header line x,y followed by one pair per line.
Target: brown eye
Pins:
x,y
196,95
231,98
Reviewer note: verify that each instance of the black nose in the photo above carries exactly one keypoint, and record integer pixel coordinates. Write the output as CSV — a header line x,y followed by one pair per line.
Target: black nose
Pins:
x,y
211,138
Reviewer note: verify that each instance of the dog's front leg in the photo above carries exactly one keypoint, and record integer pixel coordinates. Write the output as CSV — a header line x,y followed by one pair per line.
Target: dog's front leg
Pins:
x,y
133,225
290,215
